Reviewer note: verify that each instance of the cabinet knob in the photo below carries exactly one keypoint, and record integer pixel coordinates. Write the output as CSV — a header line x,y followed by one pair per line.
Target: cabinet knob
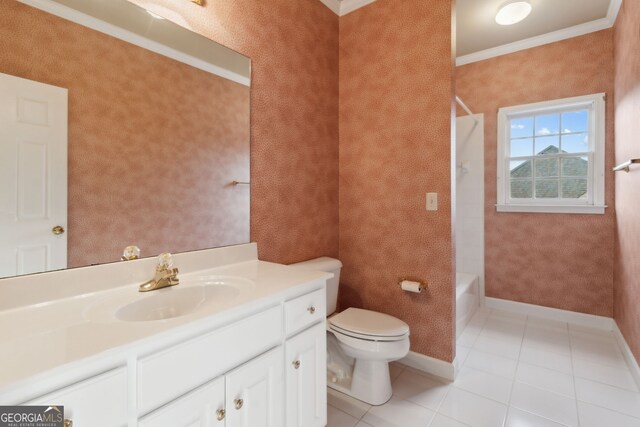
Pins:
x,y
220,414
68,423
238,403
296,364
311,310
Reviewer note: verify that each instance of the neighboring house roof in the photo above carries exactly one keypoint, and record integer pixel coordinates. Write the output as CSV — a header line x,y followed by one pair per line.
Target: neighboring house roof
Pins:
x,y
573,187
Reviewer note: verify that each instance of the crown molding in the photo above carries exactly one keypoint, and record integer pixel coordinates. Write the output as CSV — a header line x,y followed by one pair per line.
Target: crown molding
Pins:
x,y
342,7
614,9
552,37
334,5
73,15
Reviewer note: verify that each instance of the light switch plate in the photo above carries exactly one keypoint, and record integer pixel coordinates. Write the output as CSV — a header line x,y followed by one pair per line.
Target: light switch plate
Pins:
x,y
432,201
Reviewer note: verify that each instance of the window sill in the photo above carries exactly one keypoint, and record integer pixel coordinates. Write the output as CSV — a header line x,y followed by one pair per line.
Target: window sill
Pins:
x,y
566,209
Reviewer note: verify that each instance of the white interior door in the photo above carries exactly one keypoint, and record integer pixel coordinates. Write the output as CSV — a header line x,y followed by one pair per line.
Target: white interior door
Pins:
x,y
33,176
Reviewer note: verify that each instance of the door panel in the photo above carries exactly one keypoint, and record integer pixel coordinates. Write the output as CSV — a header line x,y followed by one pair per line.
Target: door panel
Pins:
x,y
33,173
306,372
255,392
200,408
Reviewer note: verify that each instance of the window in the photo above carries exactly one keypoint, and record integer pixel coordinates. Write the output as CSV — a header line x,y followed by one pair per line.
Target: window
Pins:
x,y
551,156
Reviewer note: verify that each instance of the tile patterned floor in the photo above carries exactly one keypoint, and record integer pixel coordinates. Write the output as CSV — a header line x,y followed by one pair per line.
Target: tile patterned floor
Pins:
x,y
516,371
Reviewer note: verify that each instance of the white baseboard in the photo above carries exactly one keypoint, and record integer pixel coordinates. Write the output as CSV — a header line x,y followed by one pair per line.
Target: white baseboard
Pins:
x,y
590,320
628,355
430,365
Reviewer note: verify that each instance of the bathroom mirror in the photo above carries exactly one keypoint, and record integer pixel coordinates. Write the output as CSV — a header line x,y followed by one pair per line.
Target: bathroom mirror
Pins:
x,y
118,128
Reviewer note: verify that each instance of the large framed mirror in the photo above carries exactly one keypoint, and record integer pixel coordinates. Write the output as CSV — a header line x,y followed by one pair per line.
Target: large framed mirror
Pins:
x,y
117,128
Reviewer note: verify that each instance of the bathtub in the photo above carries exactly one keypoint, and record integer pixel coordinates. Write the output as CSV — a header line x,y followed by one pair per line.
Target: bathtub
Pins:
x,y
467,299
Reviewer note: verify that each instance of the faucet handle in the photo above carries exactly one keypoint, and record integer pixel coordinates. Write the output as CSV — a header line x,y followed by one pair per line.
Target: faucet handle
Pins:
x,y
165,261
131,253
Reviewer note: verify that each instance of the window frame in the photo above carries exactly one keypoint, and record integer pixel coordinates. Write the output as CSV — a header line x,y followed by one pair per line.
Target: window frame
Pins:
x,y
594,204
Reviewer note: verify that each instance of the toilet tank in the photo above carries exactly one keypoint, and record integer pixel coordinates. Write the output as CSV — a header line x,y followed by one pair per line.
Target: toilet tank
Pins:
x,y
328,265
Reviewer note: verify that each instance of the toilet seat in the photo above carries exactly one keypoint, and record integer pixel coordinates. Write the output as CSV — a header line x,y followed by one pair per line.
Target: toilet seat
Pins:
x,y
368,325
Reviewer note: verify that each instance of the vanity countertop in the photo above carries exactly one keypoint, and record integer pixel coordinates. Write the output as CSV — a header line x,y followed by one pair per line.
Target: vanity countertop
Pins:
x,y
48,338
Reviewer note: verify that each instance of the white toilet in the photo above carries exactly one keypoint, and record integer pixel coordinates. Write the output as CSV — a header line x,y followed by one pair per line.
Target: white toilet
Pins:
x,y
360,343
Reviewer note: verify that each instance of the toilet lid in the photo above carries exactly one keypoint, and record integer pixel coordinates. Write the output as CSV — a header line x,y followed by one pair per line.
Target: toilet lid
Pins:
x,y
369,323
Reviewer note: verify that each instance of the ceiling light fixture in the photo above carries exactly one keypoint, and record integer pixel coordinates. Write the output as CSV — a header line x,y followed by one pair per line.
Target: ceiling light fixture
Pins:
x,y
513,12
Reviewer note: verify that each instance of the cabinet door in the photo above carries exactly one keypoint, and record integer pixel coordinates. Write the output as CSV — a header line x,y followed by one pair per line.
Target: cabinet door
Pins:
x,y
306,372
255,392
100,401
203,407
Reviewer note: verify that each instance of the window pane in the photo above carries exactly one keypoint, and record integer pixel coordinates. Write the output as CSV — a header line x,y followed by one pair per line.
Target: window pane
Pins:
x,y
548,145
574,188
521,189
522,128
521,147
547,188
547,168
575,143
548,125
520,169
575,166
575,121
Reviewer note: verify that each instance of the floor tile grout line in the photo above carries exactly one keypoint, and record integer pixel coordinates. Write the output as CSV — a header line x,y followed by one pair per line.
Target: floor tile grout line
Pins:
x,y
608,409
573,371
606,384
549,391
515,375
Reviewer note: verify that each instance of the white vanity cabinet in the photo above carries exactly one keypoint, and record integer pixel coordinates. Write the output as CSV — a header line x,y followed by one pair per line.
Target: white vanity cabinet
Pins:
x,y
285,386
262,366
251,395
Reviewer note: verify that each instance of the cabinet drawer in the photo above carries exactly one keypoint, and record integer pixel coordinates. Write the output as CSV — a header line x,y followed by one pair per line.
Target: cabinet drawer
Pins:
x,y
100,401
171,373
304,311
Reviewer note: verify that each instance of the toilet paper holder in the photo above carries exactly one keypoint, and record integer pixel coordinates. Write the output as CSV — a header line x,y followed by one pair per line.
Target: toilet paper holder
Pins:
x,y
422,287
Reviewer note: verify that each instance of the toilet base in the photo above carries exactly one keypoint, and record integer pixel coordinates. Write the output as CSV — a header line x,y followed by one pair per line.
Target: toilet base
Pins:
x,y
370,382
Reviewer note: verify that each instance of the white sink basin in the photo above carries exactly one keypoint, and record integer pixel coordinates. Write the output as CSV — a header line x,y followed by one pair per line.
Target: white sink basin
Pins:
x,y
165,304
176,301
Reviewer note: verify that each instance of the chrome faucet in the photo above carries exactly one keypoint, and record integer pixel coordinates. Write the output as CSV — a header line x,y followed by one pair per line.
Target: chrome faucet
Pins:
x,y
165,276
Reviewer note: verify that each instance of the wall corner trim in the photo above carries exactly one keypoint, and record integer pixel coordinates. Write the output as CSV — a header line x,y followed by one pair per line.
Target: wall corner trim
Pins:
x,y
628,354
430,365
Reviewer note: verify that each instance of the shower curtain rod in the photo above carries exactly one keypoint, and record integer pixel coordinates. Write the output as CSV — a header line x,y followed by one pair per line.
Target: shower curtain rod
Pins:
x,y
465,108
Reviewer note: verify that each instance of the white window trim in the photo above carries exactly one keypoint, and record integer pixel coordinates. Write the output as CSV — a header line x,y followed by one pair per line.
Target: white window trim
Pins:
x,y
596,205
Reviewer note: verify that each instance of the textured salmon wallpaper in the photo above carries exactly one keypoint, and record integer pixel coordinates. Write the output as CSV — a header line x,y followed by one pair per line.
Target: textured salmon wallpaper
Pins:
x,y
555,260
153,143
395,131
293,45
627,82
